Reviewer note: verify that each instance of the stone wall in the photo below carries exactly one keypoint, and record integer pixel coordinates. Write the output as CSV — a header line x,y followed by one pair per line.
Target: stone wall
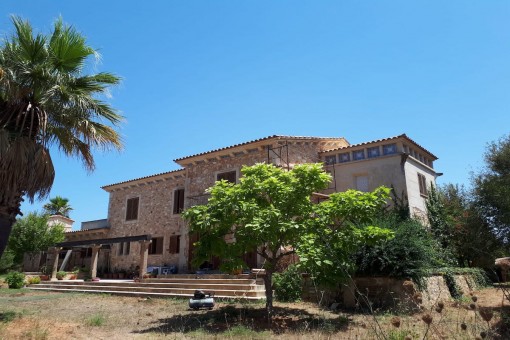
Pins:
x,y
155,217
383,292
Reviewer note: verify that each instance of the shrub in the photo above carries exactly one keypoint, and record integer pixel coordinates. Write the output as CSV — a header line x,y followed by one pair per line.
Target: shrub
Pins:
x,y
61,274
288,285
408,255
33,280
15,280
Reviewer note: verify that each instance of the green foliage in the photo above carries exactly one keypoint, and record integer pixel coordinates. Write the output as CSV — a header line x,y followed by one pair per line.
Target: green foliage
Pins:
x,y
288,285
342,225
8,316
478,274
270,210
96,320
460,228
408,254
6,261
15,280
266,210
61,274
492,187
33,280
31,233
58,206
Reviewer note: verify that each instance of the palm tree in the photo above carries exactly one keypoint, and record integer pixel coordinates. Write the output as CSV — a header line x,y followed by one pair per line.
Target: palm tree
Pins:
x,y
58,206
46,100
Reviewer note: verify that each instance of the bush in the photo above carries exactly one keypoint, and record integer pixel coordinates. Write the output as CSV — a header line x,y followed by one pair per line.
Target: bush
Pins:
x,y
408,255
61,274
15,280
33,280
288,285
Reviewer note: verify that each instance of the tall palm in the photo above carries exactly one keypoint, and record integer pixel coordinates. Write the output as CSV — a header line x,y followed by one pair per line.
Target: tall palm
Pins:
x,y
46,100
58,206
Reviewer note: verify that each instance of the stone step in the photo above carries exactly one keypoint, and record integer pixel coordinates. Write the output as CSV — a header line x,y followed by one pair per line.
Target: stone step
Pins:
x,y
157,288
148,294
202,280
180,291
157,285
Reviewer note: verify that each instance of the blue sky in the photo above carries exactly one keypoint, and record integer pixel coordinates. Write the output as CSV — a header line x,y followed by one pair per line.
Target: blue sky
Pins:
x,y
199,75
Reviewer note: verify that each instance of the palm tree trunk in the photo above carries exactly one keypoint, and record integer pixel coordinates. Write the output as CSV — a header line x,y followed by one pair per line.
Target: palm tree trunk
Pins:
x,y
6,223
9,209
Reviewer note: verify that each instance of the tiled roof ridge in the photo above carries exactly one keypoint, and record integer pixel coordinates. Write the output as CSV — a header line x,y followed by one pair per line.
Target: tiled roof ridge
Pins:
x,y
77,231
378,141
255,141
139,178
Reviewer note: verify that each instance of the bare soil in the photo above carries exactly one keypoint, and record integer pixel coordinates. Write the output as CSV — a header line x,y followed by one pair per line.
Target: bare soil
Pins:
x,y
26,314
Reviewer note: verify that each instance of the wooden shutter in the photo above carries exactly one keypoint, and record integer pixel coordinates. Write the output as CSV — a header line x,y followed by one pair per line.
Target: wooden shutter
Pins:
x,y
178,201
175,242
132,209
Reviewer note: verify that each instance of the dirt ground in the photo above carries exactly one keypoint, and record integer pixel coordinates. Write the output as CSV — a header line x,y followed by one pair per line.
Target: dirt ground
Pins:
x,y
26,314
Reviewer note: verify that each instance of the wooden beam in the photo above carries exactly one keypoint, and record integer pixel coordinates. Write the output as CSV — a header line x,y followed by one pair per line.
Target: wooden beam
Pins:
x,y
105,241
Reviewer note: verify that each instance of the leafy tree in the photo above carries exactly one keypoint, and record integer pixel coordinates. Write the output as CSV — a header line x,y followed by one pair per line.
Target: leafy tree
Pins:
x,y
58,206
409,254
492,188
31,233
270,210
45,100
459,225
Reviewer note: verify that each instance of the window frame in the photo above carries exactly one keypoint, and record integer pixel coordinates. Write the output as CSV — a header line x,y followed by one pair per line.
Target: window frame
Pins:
x,y
422,183
131,213
156,246
220,173
374,148
358,152
174,246
178,201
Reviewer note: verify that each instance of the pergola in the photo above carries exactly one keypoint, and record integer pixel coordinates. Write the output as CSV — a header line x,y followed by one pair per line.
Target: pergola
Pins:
x,y
96,244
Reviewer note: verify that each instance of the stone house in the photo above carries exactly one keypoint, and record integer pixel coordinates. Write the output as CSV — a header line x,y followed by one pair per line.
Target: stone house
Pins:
x,y
151,206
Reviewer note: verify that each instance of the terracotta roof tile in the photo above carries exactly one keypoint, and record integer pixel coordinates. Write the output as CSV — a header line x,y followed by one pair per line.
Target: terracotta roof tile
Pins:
x,y
137,179
258,140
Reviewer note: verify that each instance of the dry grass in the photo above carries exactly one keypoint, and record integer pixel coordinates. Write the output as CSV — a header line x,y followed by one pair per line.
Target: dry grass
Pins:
x,y
28,314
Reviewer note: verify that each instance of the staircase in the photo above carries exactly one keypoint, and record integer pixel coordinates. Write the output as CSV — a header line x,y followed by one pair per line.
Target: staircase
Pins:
x,y
222,286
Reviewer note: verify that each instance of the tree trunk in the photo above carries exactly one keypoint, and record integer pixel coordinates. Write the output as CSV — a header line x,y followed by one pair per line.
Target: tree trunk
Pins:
x,y
9,209
6,223
268,284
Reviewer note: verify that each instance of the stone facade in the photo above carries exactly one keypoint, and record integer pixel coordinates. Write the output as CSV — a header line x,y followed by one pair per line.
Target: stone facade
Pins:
x,y
151,205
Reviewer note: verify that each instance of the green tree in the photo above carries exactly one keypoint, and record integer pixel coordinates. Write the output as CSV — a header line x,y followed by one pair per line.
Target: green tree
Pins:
x,y
45,100
270,210
492,188
460,227
32,233
58,206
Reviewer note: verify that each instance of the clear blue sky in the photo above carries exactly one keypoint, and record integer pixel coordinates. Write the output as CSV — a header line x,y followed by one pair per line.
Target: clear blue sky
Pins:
x,y
199,75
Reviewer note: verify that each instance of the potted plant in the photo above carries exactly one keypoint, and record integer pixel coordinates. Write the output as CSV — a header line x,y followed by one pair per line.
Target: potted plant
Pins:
x,y
44,273
61,274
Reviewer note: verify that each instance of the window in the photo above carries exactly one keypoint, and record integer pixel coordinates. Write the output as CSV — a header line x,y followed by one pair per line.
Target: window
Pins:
x,y
229,176
357,155
132,209
423,185
178,201
330,160
362,183
390,149
124,248
373,152
344,157
156,246
175,244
